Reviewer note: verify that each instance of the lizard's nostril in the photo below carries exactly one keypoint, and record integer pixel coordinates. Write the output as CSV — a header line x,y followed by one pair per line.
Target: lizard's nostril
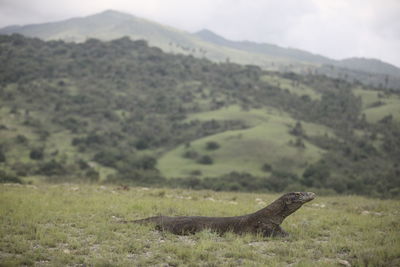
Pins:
x,y
311,195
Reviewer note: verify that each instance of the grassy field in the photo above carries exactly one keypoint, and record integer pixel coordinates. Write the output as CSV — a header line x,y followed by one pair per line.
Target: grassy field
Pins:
x,y
297,89
377,105
267,140
76,225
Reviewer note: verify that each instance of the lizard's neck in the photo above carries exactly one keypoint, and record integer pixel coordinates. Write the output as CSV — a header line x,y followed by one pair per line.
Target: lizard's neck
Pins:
x,y
274,212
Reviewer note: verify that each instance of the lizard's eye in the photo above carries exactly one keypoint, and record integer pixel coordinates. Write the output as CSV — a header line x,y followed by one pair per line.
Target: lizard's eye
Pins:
x,y
295,197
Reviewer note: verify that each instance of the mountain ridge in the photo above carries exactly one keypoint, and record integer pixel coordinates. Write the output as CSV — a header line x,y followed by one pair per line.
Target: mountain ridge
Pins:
x,y
208,35
302,55
111,24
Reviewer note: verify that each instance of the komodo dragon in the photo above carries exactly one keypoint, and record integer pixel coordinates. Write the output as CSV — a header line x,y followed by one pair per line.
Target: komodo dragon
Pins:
x,y
265,221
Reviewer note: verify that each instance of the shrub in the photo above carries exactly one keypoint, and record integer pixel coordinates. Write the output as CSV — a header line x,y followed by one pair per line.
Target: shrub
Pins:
x,y
146,163
297,130
141,144
207,160
315,175
92,175
266,167
21,139
190,154
9,178
278,181
108,157
212,145
2,156
36,154
52,168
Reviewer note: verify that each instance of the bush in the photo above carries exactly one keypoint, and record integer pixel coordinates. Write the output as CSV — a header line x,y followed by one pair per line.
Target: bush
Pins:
x,y
108,157
146,163
266,167
52,168
190,154
141,144
92,175
2,156
21,139
207,160
36,154
316,175
9,178
212,145
297,130
278,181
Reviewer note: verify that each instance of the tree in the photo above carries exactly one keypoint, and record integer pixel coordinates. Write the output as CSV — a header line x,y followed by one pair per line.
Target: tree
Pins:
x,y
2,156
316,175
36,154
9,178
212,145
190,154
297,130
206,159
266,167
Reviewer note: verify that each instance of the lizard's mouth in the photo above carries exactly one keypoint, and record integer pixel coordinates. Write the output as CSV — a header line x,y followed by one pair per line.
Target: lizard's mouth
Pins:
x,y
308,196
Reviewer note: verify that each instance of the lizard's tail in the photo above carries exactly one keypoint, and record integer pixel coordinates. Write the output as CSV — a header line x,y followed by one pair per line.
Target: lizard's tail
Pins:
x,y
142,221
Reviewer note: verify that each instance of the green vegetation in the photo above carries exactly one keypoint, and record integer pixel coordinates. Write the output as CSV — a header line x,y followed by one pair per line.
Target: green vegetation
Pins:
x,y
244,151
124,112
292,86
378,105
79,225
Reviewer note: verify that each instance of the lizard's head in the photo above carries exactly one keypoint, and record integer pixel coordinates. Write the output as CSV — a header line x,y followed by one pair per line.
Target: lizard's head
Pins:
x,y
298,197
293,201
278,210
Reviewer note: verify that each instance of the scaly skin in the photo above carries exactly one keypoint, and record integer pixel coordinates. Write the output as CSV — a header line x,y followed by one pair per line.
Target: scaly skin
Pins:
x,y
265,221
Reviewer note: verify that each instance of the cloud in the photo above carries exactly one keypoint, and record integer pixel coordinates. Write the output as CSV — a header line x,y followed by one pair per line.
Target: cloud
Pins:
x,y
335,28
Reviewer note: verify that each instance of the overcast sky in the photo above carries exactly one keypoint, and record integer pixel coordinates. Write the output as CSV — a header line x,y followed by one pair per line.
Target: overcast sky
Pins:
x,y
334,28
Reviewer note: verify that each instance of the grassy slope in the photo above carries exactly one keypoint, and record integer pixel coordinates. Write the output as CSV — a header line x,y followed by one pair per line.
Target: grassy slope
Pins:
x,y
58,144
78,224
390,105
287,84
267,141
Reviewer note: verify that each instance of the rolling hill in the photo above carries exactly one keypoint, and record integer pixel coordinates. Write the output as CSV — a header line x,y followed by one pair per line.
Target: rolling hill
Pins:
x,y
110,25
124,112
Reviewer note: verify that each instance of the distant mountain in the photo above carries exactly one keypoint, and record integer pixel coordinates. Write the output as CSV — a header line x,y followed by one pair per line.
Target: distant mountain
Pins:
x,y
110,24
269,49
363,64
369,65
107,25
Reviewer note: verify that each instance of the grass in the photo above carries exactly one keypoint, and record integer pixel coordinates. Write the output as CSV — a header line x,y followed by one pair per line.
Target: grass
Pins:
x,y
287,84
266,141
389,104
56,225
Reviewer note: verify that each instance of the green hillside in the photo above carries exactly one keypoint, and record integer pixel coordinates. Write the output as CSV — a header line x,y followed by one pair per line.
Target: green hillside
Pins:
x,y
378,105
267,141
124,112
